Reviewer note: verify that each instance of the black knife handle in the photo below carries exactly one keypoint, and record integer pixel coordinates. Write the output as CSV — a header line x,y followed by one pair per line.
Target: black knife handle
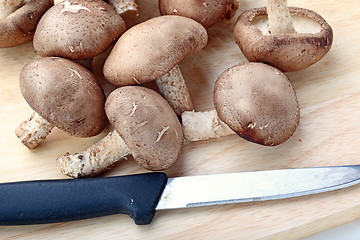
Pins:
x,y
48,201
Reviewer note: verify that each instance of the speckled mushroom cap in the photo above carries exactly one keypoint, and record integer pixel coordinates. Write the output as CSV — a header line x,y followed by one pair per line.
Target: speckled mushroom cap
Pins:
x,y
152,48
148,125
206,12
257,102
77,29
287,52
65,94
19,27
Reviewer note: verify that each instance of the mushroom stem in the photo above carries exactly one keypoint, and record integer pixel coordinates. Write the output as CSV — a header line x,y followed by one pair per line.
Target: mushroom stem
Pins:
x,y
203,125
95,159
7,7
173,88
125,7
32,131
279,18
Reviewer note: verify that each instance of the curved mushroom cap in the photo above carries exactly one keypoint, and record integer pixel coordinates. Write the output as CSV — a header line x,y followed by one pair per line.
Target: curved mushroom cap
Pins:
x,y
206,12
19,27
257,102
152,48
287,52
77,29
65,94
148,125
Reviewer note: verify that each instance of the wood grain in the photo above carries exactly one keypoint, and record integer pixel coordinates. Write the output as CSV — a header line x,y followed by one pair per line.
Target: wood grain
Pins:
x,y
329,96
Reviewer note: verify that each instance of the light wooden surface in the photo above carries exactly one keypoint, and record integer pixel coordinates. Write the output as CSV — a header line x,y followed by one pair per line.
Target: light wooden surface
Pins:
x,y
329,96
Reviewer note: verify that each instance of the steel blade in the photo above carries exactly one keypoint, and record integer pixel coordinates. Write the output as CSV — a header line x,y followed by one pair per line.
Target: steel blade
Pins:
x,y
194,191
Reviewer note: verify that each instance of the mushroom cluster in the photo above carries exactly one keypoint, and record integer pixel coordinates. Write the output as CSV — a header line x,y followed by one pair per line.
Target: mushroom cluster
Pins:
x,y
254,100
251,108
135,112
60,91
152,50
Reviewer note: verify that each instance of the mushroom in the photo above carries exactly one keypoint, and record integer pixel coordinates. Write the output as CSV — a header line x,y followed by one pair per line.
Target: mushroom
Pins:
x,y
77,29
145,126
63,94
255,100
126,8
152,50
206,12
18,20
279,44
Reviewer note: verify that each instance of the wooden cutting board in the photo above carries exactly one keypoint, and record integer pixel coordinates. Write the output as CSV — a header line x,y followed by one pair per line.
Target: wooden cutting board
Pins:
x,y
328,134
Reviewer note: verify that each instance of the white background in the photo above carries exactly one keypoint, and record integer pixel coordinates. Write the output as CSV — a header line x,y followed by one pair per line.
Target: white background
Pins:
x,y
350,231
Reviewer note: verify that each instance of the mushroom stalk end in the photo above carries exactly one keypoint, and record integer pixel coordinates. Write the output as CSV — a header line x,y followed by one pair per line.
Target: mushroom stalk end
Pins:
x,y
125,7
34,130
96,159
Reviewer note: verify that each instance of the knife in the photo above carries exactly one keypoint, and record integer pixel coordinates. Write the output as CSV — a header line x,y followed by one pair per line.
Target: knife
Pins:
x,y
141,195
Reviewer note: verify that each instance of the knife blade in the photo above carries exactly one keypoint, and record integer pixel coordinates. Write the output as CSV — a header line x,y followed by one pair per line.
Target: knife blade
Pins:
x,y
141,195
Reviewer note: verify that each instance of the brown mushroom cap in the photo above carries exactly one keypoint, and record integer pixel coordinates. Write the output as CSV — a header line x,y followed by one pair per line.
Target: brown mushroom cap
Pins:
x,y
287,52
148,125
77,29
65,94
206,12
19,27
152,48
257,102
